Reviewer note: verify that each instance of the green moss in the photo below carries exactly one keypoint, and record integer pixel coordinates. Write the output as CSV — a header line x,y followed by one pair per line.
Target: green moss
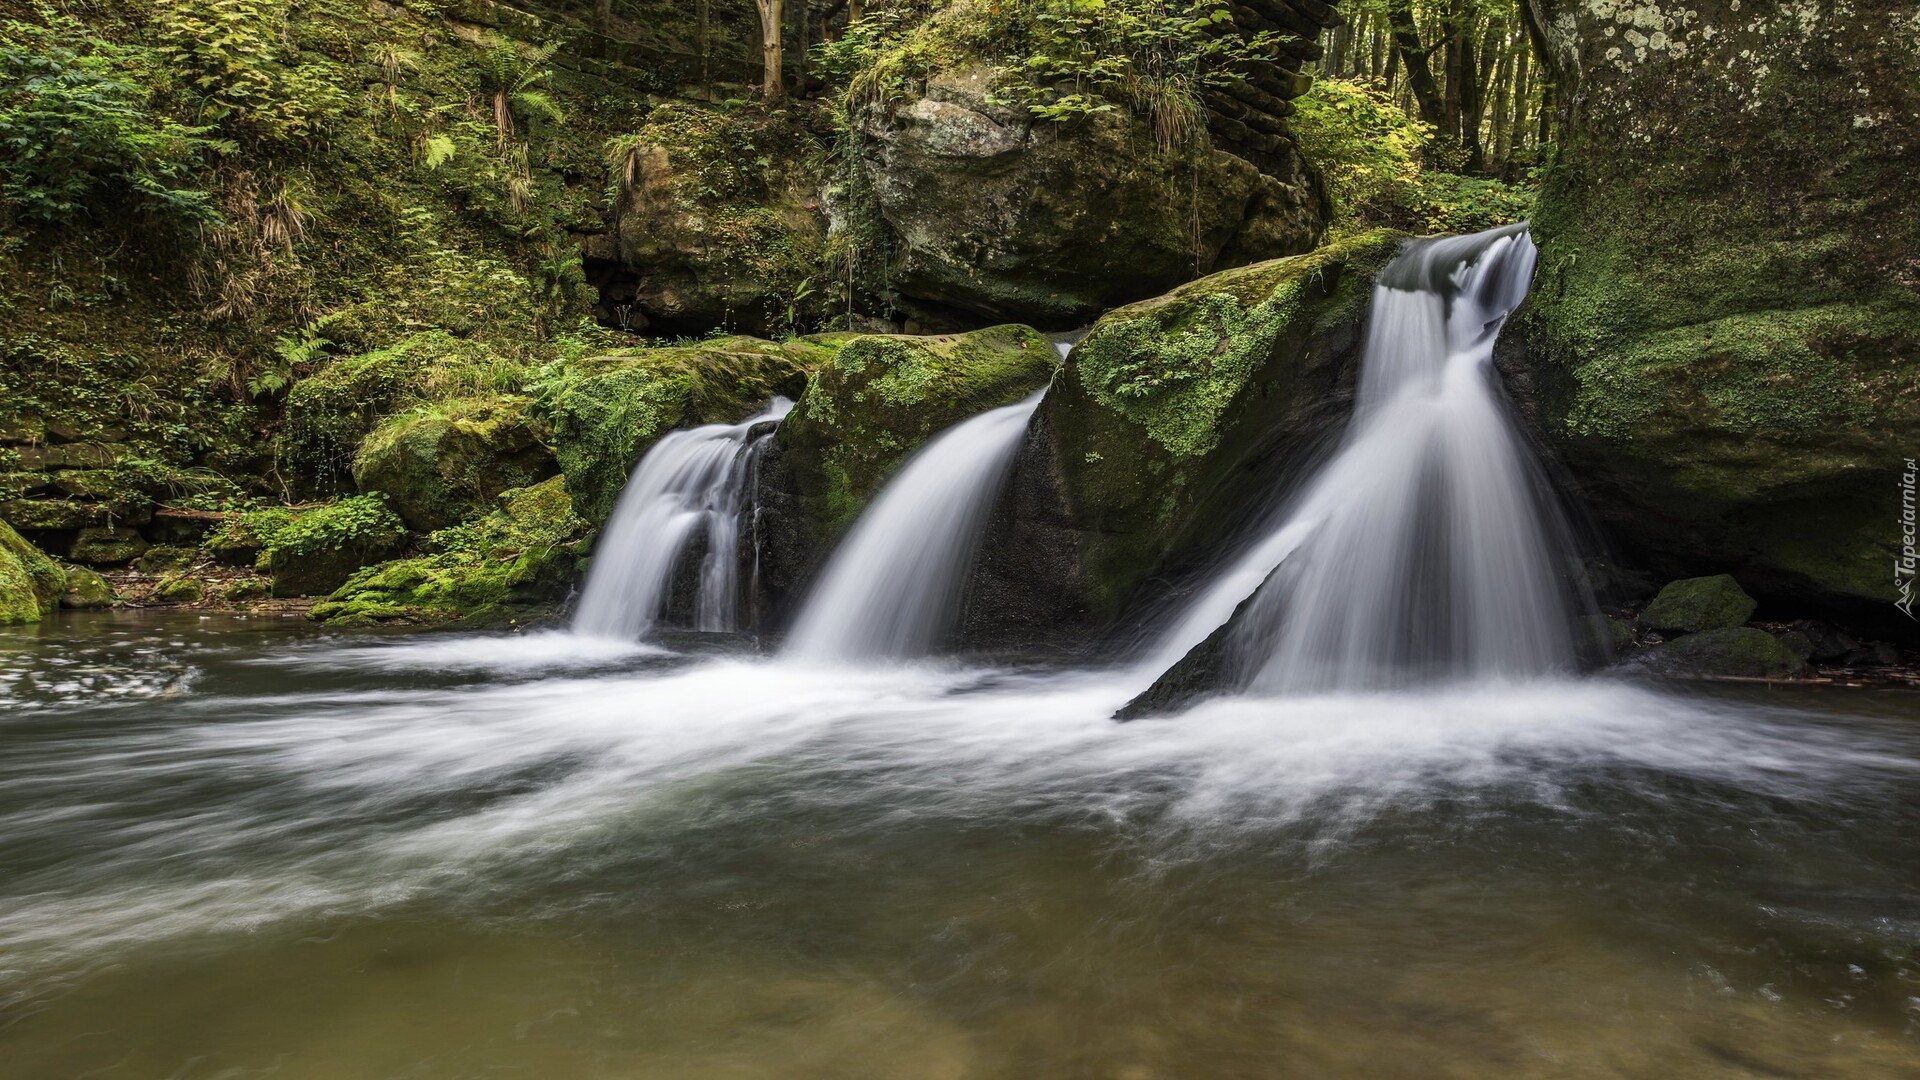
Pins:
x,y
605,412
512,563
441,463
30,583
178,589
85,589
1695,604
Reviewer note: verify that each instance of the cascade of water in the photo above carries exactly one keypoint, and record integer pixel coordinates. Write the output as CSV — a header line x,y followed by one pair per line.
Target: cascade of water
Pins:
x,y
1426,547
893,587
690,484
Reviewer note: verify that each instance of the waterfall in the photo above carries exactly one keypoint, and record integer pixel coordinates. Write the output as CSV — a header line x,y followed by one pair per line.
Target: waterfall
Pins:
x,y
690,485
1427,547
893,587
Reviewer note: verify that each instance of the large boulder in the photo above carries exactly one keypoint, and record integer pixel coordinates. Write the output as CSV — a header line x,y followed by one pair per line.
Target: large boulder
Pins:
x,y
994,214
863,414
607,411
717,224
442,464
1695,604
1723,343
1175,424
30,582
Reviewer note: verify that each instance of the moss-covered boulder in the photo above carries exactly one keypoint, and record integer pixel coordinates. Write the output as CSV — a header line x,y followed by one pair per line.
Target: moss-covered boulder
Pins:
x,y
1175,422
1694,604
1737,651
717,223
85,590
606,411
1723,342
30,582
316,551
512,564
178,589
993,213
440,464
863,414
107,545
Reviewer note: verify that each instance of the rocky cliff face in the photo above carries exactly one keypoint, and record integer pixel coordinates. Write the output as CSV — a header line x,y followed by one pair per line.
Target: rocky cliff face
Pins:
x,y
1723,345
992,214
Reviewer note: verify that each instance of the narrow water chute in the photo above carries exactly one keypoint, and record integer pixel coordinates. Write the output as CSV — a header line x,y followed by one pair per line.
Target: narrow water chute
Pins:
x,y
893,588
690,485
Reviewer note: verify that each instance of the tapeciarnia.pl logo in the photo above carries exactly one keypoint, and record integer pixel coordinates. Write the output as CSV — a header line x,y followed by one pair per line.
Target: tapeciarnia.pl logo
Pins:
x,y
1903,567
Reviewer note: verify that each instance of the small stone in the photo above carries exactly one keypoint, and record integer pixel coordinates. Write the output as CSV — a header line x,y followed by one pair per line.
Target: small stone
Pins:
x,y
1692,605
177,589
85,590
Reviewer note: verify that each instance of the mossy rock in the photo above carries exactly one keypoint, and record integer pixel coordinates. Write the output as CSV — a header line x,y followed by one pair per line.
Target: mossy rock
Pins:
x,y
243,590
30,582
515,563
178,589
1695,604
165,558
441,464
1723,342
319,549
605,412
1175,422
881,398
990,212
863,414
1737,651
107,545
85,590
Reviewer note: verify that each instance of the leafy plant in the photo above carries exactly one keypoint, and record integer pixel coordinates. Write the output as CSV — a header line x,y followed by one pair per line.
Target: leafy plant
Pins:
x,y
72,133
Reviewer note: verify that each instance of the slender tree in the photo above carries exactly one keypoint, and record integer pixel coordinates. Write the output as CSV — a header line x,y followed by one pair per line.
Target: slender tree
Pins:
x,y
772,22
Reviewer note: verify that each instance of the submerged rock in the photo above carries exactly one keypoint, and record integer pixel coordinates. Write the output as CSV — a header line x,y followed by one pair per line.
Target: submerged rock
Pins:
x,y
1723,344
444,463
1695,604
1739,651
992,213
30,582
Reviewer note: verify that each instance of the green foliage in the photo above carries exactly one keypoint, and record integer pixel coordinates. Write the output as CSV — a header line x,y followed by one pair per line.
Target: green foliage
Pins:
x,y
1060,59
232,59
1375,156
77,131
356,523
512,562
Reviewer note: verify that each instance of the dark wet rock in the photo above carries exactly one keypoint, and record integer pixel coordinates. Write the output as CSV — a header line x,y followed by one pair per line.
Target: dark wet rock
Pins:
x,y
1739,651
1695,604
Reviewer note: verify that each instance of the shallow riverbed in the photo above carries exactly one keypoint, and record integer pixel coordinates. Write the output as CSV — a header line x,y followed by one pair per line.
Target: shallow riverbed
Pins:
x,y
234,848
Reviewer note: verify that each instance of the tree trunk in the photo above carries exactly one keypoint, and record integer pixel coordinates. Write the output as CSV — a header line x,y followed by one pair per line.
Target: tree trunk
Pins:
x,y
1413,57
603,15
1498,116
772,13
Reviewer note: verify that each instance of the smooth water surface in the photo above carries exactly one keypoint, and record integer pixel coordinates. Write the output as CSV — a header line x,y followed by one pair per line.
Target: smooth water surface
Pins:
x,y
249,848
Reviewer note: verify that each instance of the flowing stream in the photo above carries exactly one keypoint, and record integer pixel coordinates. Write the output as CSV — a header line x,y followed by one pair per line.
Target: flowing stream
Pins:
x,y
240,848
689,486
893,588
